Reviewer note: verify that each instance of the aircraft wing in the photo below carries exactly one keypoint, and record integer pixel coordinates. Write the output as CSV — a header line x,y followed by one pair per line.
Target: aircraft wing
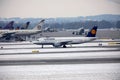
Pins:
x,y
65,42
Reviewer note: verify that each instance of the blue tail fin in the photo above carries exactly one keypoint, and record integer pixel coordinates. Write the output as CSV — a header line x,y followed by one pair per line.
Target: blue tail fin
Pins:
x,y
92,32
25,26
9,25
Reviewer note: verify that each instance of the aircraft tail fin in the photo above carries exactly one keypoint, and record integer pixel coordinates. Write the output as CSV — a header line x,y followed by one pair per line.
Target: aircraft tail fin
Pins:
x,y
92,32
39,26
9,25
25,26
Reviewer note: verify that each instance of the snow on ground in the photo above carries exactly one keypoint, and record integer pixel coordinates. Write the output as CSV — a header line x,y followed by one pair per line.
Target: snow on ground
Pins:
x,y
110,71
54,50
56,56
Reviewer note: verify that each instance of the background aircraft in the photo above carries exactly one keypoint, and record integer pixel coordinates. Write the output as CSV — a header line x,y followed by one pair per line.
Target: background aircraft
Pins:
x,y
25,26
9,26
4,34
63,41
48,29
6,31
79,31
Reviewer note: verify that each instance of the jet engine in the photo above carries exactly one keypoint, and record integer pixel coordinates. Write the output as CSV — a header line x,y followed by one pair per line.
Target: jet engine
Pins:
x,y
57,45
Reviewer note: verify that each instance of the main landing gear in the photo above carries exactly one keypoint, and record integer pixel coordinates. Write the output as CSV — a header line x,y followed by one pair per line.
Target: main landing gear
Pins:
x,y
42,45
64,46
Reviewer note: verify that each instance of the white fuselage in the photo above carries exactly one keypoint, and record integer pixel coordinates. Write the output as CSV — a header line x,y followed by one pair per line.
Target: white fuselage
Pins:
x,y
20,32
62,40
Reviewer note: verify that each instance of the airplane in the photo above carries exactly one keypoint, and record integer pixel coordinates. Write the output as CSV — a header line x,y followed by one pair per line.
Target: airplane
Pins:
x,y
48,29
63,41
18,33
35,30
9,26
24,26
4,31
7,31
79,31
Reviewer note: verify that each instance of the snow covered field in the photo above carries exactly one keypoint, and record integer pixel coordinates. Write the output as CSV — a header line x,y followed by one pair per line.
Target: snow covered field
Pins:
x,y
108,71
88,61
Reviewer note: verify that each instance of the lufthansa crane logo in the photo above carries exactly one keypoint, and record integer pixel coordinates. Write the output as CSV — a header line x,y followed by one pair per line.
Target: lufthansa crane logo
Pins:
x,y
93,31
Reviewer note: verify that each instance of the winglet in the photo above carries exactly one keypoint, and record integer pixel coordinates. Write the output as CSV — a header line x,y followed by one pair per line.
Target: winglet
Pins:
x,y
92,32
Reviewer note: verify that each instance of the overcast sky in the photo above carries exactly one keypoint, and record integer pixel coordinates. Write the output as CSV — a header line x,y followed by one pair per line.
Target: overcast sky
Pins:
x,y
57,8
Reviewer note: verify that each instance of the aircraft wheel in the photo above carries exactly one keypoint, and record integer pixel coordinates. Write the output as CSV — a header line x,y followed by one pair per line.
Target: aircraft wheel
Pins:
x,y
42,46
64,46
